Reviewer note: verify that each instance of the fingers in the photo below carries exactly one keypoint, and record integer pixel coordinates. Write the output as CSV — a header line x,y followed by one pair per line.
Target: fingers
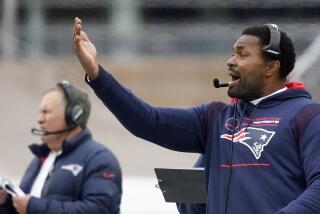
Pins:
x,y
84,36
76,27
16,204
79,36
76,35
84,49
20,203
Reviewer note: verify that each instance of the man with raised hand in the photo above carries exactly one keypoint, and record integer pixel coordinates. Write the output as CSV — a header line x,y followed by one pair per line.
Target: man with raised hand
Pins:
x,y
262,153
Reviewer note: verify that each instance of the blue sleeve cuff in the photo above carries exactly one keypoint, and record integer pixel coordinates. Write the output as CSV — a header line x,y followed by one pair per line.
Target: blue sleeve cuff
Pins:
x,y
102,82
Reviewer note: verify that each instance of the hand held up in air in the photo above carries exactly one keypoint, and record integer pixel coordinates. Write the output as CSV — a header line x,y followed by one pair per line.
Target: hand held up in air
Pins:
x,y
84,50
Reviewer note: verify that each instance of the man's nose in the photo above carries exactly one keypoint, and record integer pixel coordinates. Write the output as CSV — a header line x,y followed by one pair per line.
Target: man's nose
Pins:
x,y
40,118
231,62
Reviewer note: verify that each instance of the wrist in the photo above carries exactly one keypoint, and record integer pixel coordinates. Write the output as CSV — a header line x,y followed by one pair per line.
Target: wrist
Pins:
x,y
93,71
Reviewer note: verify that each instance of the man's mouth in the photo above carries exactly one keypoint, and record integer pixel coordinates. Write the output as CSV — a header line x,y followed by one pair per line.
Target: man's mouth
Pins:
x,y
235,79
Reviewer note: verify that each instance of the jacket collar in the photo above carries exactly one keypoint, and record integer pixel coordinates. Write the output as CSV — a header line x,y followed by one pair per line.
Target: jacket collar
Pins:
x,y
276,99
42,150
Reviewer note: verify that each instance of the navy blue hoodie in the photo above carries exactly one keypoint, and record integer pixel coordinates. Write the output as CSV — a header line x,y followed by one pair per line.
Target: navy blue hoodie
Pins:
x,y
253,165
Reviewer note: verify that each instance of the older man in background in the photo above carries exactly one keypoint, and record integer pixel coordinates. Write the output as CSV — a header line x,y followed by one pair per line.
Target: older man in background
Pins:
x,y
70,173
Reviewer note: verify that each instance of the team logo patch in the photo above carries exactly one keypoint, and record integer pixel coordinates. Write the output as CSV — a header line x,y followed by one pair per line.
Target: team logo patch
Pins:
x,y
253,138
75,169
231,124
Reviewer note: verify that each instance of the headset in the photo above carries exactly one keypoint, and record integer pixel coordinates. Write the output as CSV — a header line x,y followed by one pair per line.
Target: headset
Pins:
x,y
273,48
74,110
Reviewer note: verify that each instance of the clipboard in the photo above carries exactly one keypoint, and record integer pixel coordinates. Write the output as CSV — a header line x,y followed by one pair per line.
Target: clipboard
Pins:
x,y
182,185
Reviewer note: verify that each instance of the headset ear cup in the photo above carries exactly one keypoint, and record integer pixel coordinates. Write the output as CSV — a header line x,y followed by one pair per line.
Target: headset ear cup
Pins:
x,y
76,114
68,115
74,111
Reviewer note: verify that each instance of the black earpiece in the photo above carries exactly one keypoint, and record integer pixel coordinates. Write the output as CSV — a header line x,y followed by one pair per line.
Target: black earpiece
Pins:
x,y
74,110
273,48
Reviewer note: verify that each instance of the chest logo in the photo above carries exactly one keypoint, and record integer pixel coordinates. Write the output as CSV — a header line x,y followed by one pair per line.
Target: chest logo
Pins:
x,y
75,169
253,138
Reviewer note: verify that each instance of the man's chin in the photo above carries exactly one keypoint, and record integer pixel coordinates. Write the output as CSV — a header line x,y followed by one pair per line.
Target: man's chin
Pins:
x,y
43,138
233,93
46,138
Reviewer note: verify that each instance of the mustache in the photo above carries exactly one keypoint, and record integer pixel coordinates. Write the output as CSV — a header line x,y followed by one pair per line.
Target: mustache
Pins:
x,y
233,71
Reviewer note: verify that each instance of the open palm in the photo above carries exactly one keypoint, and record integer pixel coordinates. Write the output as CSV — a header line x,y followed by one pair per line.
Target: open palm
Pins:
x,y
84,49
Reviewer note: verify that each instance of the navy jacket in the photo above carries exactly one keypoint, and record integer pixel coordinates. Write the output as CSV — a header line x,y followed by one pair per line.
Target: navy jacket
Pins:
x,y
86,178
253,161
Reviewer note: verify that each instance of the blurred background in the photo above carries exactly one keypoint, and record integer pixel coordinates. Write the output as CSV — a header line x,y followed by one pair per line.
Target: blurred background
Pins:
x,y
166,52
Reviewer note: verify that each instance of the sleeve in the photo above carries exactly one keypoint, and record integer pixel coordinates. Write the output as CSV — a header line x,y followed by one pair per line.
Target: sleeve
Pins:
x,y
309,148
175,129
184,208
101,191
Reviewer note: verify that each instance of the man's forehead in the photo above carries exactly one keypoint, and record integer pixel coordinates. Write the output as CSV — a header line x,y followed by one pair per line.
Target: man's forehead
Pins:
x,y
52,98
247,41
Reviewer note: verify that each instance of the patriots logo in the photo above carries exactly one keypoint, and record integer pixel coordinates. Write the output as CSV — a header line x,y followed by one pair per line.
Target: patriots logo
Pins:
x,y
75,169
253,138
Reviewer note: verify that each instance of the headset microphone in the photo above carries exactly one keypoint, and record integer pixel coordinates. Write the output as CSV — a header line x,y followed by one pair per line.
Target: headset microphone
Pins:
x,y
216,84
40,132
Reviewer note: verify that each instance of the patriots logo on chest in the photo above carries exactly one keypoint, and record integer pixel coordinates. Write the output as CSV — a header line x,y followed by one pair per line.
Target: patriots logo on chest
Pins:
x,y
253,138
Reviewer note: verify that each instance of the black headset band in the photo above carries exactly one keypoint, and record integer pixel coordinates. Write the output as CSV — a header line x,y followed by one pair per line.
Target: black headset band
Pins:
x,y
68,91
273,48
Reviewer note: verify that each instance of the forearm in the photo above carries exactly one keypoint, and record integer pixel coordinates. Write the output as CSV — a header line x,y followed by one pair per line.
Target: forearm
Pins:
x,y
307,202
177,129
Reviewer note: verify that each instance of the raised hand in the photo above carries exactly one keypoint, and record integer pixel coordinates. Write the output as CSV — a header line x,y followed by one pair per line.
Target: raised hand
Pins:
x,y
84,50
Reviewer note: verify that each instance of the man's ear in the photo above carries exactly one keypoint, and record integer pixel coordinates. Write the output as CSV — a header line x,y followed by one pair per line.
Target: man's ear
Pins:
x,y
273,68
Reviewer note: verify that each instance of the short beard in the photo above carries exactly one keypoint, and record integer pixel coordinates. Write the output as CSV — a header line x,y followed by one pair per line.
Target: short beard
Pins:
x,y
246,92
